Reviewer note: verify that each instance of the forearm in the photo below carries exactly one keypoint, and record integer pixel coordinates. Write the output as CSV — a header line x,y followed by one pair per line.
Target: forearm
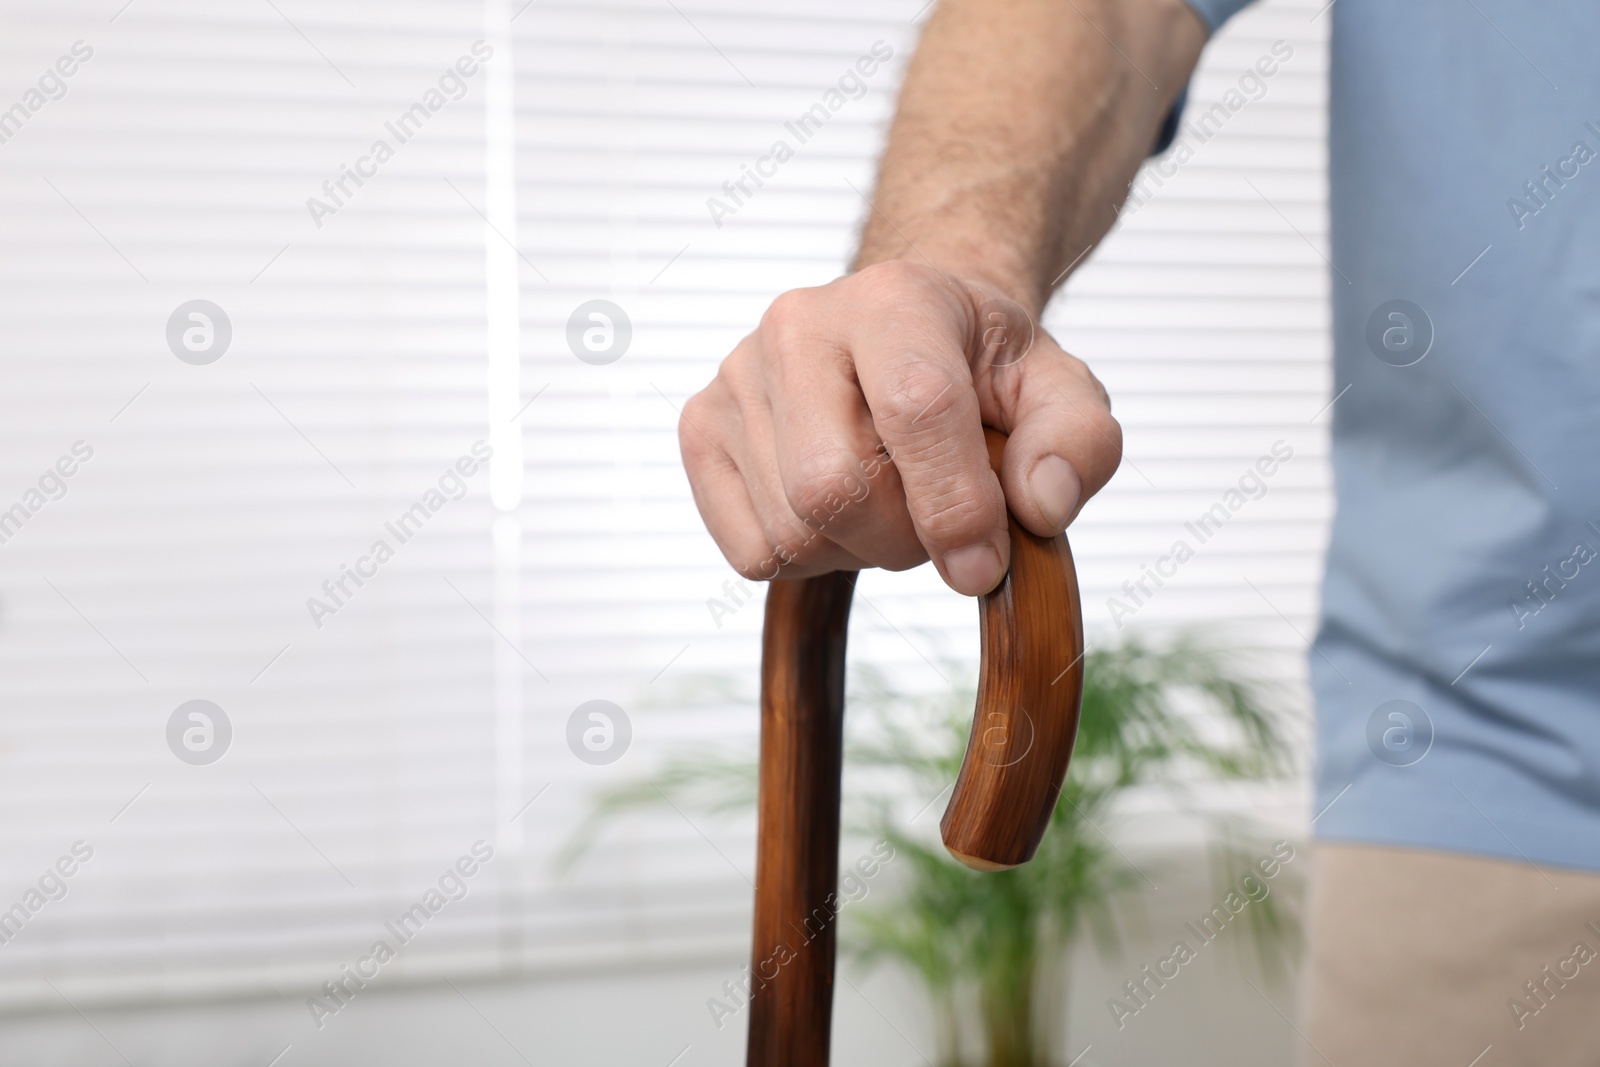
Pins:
x,y
1020,125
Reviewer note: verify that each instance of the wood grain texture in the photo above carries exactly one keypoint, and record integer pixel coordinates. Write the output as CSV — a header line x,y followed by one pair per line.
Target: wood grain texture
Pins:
x,y
1029,689
797,849
1030,686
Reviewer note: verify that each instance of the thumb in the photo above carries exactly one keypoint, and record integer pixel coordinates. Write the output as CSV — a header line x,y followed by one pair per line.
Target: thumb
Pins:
x,y
1064,445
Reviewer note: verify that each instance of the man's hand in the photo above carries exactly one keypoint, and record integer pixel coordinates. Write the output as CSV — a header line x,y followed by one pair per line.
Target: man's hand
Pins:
x,y
847,431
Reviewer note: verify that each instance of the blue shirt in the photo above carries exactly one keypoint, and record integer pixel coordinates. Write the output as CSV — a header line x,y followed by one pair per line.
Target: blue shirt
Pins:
x,y
1457,665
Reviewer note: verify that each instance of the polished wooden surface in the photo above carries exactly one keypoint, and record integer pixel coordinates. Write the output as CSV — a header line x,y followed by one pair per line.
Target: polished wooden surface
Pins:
x,y
797,849
1029,688
1030,684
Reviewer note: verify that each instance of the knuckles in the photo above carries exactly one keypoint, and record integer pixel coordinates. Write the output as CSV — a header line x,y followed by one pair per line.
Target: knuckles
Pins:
x,y
960,513
892,283
921,400
1105,446
696,414
790,319
821,491
925,399
799,548
1106,425
1080,370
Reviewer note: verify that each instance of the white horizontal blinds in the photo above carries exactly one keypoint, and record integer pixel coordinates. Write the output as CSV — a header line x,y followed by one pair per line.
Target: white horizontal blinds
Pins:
x,y
220,497
178,564
630,118
1205,315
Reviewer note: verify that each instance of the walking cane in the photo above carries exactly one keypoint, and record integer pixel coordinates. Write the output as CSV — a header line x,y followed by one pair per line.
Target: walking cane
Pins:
x,y
1029,687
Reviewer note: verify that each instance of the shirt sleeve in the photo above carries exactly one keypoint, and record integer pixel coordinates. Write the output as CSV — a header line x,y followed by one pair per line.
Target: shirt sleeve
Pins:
x,y
1213,13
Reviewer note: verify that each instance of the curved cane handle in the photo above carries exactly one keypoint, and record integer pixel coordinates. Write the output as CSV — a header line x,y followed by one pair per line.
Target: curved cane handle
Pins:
x,y
1030,684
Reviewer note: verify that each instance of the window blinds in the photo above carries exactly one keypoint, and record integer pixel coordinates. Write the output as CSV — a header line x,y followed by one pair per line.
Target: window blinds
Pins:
x,y
390,322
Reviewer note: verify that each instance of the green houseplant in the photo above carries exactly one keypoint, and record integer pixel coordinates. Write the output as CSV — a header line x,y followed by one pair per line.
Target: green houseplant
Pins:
x,y
990,950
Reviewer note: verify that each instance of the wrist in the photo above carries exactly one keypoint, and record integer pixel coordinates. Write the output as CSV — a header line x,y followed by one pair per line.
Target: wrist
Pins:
x,y
982,273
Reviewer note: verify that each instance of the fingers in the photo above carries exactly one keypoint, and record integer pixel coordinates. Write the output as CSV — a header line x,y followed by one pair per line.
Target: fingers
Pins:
x,y
912,365
1064,444
727,452
847,431
835,472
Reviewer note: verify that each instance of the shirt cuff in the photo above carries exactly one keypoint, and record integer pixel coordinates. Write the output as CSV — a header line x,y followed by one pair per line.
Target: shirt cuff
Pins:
x,y
1215,12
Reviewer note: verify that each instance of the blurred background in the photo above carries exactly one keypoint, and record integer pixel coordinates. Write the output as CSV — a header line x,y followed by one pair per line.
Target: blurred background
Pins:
x,y
244,346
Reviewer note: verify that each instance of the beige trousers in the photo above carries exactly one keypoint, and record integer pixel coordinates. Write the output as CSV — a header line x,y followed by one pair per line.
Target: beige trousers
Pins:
x,y
1434,958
